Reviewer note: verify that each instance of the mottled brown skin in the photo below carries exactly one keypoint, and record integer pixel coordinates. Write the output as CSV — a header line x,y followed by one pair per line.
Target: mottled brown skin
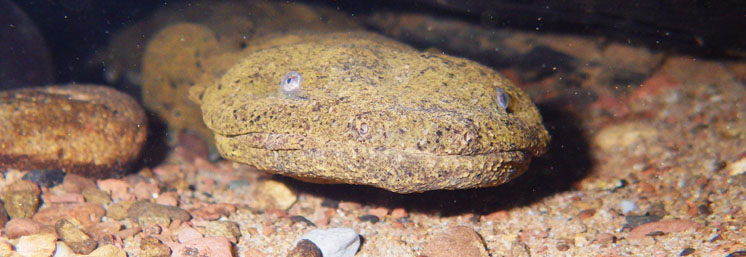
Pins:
x,y
82,129
375,112
212,37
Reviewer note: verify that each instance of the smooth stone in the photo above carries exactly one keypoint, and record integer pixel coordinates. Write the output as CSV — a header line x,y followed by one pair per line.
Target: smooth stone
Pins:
x,y
334,242
89,130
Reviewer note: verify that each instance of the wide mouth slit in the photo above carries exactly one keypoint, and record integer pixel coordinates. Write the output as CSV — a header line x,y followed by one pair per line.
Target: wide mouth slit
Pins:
x,y
295,142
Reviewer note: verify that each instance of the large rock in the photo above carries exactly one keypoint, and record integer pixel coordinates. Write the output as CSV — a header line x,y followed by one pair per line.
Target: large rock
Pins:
x,y
84,129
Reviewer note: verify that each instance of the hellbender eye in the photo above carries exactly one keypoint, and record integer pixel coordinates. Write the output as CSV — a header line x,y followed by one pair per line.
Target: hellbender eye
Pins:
x,y
503,99
290,83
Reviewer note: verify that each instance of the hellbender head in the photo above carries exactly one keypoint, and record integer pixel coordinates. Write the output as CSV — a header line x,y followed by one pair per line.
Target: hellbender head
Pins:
x,y
359,108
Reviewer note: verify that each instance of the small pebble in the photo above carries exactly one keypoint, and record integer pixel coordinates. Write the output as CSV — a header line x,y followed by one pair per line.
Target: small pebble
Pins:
x,y
563,247
634,221
118,210
587,213
21,199
687,251
69,231
62,250
666,226
329,203
251,252
213,211
397,213
379,212
270,194
737,254
19,227
86,213
103,229
118,189
188,233
93,195
168,198
75,183
107,251
519,249
147,210
152,247
737,167
305,248
334,242
145,191
369,218
627,206
227,229
3,215
209,246
36,245
604,238
63,198
45,178
456,241
301,219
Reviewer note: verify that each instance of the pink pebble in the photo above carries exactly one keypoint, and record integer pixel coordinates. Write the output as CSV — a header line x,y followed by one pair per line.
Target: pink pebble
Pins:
x,y
16,228
119,189
168,198
379,212
211,246
63,198
398,213
145,191
187,233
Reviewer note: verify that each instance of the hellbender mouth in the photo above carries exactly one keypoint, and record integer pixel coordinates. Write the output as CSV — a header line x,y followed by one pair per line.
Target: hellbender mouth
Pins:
x,y
289,142
397,170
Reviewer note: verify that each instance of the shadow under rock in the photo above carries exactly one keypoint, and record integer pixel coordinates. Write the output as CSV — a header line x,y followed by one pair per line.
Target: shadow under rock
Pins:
x,y
156,146
566,162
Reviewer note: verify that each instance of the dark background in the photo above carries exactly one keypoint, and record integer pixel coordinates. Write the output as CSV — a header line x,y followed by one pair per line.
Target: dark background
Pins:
x,y
73,29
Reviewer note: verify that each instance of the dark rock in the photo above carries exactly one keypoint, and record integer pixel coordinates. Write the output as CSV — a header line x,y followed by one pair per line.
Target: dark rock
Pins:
x,y
305,248
370,218
45,178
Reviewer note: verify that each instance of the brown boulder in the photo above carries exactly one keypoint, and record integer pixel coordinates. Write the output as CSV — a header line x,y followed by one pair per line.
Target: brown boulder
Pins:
x,y
83,129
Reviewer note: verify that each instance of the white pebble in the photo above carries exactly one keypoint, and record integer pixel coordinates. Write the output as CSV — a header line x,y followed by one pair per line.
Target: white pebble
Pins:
x,y
627,206
334,242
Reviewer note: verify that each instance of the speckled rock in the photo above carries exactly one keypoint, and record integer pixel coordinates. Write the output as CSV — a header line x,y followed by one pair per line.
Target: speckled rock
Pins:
x,y
225,229
21,199
273,194
71,233
147,213
118,210
84,129
305,248
152,247
456,241
209,42
93,195
107,251
372,111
